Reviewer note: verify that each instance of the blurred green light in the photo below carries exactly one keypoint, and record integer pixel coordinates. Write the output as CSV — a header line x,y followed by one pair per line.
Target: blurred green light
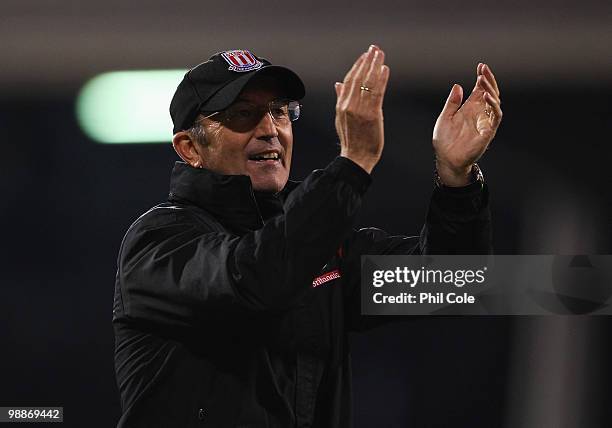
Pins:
x,y
128,106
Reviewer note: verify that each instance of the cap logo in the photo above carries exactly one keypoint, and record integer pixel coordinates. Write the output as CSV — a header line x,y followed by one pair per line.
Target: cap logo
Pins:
x,y
241,60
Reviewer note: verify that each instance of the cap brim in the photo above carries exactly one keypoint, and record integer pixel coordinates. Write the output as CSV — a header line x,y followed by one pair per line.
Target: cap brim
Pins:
x,y
292,86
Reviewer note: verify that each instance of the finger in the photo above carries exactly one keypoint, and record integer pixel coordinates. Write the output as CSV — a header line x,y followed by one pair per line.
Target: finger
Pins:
x,y
453,102
486,85
375,68
382,82
478,91
352,89
374,97
338,87
349,78
479,68
497,111
488,73
364,66
376,80
494,103
489,87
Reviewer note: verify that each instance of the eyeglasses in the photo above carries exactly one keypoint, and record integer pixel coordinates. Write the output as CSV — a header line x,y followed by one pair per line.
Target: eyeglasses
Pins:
x,y
243,115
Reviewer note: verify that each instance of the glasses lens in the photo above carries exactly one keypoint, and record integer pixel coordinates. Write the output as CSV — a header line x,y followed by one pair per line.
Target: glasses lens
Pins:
x,y
243,116
293,109
279,110
284,111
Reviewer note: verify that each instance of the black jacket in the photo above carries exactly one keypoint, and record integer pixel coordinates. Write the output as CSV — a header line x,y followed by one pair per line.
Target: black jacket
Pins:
x,y
223,314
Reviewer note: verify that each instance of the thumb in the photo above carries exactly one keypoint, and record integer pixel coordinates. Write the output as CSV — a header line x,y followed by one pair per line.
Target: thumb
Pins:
x,y
454,101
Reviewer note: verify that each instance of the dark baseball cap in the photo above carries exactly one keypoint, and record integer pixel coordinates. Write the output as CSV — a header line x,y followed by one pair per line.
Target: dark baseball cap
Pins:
x,y
213,85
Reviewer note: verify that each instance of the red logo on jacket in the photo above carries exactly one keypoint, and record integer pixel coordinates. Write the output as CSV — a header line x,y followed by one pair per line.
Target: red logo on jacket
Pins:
x,y
326,277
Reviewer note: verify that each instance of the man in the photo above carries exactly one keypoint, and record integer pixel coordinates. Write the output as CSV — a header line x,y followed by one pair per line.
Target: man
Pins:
x,y
234,299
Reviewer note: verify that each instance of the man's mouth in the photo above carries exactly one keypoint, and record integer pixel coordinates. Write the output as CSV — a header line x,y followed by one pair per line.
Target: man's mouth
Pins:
x,y
267,156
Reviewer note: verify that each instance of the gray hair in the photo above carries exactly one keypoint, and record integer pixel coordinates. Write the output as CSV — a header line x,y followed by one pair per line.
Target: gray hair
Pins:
x,y
197,133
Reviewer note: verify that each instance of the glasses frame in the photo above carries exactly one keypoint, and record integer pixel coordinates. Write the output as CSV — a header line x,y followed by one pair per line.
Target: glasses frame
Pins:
x,y
268,108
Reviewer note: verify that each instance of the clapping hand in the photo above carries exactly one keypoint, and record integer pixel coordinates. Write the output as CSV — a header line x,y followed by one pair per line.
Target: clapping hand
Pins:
x,y
463,132
359,115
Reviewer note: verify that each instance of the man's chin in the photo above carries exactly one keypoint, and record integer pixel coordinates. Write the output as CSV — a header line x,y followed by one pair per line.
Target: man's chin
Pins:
x,y
268,178
272,184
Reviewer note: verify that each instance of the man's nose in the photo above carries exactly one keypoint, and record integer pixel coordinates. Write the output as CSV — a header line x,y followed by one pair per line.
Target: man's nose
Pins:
x,y
266,128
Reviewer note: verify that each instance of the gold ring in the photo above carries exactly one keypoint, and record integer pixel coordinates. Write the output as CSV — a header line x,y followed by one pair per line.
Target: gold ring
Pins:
x,y
364,88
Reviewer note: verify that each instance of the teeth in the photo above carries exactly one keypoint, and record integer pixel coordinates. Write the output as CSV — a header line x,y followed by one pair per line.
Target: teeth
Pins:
x,y
266,156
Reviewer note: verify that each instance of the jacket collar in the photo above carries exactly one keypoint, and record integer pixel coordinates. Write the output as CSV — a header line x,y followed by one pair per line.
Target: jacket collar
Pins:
x,y
229,198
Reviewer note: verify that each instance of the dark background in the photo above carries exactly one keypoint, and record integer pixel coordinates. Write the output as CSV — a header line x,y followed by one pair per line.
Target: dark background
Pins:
x,y
67,201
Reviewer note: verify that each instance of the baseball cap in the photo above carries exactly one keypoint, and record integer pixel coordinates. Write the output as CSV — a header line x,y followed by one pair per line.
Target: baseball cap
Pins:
x,y
215,84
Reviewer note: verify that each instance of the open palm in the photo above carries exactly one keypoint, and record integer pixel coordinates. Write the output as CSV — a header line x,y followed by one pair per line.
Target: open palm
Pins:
x,y
463,132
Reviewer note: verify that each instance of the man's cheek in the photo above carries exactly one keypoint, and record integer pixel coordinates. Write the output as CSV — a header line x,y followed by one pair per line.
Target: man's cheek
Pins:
x,y
287,159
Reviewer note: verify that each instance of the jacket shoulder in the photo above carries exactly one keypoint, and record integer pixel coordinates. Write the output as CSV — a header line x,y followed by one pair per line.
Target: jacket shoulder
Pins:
x,y
172,213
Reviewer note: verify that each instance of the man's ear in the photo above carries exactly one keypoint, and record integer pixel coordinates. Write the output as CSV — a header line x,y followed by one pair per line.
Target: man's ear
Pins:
x,y
185,147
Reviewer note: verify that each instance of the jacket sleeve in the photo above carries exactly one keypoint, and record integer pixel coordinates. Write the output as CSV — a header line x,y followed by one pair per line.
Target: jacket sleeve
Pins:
x,y
175,272
458,222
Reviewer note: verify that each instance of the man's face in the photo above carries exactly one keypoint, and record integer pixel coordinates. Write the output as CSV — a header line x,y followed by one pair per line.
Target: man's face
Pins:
x,y
238,150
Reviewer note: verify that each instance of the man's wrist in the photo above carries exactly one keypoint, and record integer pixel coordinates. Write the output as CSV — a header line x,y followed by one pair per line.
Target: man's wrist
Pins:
x,y
446,177
352,173
367,163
